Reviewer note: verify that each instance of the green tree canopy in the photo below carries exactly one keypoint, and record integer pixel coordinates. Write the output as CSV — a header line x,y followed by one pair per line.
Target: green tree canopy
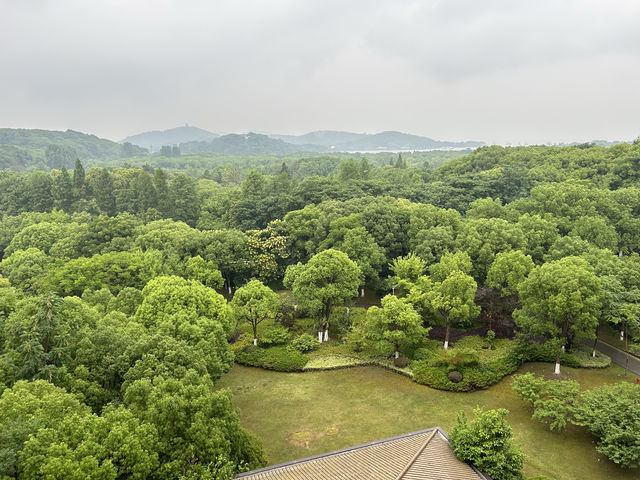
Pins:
x,y
397,327
329,278
561,299
487,443
255,303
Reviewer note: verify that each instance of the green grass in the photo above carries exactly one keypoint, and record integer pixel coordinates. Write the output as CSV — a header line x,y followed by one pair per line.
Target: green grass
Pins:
x,y
302,414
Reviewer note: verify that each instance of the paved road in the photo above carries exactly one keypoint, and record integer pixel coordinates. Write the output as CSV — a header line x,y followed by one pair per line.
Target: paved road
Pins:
x,y
617,356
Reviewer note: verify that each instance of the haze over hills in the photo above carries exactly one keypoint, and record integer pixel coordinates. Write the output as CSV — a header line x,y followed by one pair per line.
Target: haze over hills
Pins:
x,y
248,143
22,148
195,140
155,139
389,140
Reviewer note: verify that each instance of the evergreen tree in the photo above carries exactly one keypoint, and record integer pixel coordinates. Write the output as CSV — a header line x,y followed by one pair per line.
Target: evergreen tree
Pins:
x,y
103,193
145,193
78,180
184,199
162,192
62,191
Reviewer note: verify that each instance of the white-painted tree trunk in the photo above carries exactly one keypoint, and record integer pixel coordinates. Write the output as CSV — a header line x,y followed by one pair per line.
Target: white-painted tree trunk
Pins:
x,y
229,289
362,292
326,335
621,335
255,342
593,354
393,290
446,344
320,336
557,372
295,307
397,354
563,350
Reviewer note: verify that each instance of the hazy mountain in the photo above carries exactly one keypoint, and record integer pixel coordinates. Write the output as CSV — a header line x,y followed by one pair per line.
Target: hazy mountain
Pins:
x,y
174,136
326,138
60,148
247,143
346,141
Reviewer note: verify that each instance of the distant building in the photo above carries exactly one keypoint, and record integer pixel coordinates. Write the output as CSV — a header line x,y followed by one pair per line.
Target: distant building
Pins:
x,y
423,455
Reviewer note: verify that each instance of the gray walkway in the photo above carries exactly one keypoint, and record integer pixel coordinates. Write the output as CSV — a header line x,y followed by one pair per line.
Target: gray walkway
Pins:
x,y
617,356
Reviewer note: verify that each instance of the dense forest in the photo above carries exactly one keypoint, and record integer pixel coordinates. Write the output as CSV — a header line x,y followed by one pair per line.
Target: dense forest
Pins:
x,y
114,327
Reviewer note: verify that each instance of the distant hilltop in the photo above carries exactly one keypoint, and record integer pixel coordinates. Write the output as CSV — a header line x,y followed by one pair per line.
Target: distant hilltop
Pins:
x,y
155,139
389,141
196,140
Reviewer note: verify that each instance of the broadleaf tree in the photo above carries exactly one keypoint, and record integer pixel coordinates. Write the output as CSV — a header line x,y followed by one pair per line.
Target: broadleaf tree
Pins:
x,y
329,278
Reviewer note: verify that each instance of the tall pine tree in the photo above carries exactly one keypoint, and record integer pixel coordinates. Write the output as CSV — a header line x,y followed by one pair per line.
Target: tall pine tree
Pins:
x,y
78,180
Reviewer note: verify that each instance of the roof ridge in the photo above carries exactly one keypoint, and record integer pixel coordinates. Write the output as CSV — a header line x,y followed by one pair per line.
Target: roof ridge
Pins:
x,y
343,450
415,457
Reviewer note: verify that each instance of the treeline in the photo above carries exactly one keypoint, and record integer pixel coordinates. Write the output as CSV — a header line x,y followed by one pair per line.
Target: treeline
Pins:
x,y
28,149
112,334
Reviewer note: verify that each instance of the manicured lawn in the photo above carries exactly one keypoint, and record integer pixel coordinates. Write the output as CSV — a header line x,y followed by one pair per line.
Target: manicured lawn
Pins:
x,y
302,414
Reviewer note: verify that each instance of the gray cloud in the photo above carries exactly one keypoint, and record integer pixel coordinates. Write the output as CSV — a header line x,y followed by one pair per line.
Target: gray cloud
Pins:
x,y
503,71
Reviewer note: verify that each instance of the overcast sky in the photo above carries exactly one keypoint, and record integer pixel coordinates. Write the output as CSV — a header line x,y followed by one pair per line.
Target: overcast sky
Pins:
x,y
502,71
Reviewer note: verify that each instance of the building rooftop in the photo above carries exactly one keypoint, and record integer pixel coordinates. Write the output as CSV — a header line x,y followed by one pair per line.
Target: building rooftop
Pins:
x,y
423,455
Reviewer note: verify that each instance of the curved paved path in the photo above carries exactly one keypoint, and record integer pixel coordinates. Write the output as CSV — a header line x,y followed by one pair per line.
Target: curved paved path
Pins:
x,y
617,356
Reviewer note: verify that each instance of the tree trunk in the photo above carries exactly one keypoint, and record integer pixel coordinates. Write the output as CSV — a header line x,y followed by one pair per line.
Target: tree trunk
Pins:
x,y
396,355
446,337
621,335
557,372
362,291
320,336
595,342
255,342
327,313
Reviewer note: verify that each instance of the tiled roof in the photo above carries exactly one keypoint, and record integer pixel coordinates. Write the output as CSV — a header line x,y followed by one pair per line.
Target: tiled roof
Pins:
x,y
424,455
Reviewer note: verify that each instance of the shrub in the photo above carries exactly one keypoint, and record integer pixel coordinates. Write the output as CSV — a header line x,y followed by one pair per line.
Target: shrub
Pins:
x,y
281,359
583,355
611,413
305,343
275,335
528,350
488,371
456,357
486,442
423,354
242,342
474,342
635,349
491,336
284,359
552,400
401,362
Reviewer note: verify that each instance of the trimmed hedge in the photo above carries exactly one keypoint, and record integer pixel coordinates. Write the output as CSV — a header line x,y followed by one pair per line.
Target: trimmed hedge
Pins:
x,y
281,359
481,375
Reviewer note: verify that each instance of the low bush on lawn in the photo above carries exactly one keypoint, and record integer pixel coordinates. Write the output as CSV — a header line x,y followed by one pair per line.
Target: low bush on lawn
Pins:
x,y
486,368
281,358
305,343
585,358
